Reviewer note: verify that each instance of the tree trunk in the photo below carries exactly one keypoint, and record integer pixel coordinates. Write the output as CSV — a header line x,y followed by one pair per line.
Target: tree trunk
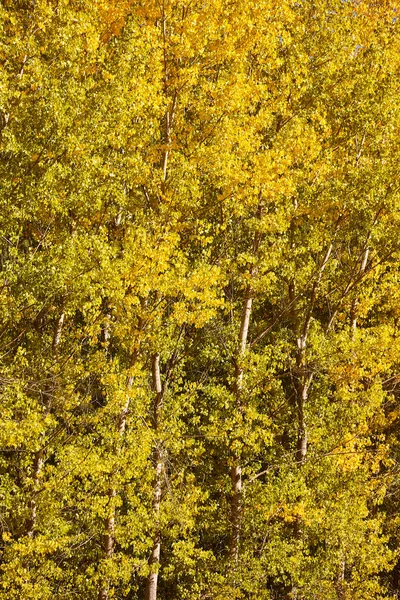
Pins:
x,y
303,386
39,457
37,470
353,312
109,525
340,589
303,380
236,509
236,469
154,560
303,376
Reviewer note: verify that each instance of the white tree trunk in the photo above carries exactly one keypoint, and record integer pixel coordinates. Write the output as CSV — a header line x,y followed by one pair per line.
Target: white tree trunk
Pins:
x,y
154,560
236,469
38,461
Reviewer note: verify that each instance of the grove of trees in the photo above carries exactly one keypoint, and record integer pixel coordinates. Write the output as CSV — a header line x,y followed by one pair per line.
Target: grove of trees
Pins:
x,y
199,299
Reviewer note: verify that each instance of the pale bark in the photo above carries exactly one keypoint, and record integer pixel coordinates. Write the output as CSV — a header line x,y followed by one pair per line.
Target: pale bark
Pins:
x,y
302,435
109,525
57,334
303,381
38,463
236,468
159,389
169,119
170,114
340,588
353,312
304,378
154,560
39,457
236,510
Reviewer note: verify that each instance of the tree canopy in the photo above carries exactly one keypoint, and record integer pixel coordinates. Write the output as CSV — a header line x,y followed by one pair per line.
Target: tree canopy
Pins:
x,y
199,306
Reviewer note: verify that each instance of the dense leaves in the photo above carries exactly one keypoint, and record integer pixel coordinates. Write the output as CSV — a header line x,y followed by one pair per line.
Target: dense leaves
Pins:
x,y
199,315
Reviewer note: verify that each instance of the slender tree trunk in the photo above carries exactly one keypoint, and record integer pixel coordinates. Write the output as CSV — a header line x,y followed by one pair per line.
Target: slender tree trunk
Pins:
x,y
353,312
109,525
340,590
38,462
57,334
236,468
154,560
302,388
236,509
170,114
303,380
302,436
39,457
303,375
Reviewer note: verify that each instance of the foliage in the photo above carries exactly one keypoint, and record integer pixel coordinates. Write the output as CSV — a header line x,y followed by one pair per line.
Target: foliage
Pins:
x,y
168,171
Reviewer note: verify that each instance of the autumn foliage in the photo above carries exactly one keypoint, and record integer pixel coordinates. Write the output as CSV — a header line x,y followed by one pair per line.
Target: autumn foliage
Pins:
x,y
199,299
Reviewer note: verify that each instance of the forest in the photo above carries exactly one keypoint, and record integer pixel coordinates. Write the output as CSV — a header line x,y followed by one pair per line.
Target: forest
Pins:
x,y
199,300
